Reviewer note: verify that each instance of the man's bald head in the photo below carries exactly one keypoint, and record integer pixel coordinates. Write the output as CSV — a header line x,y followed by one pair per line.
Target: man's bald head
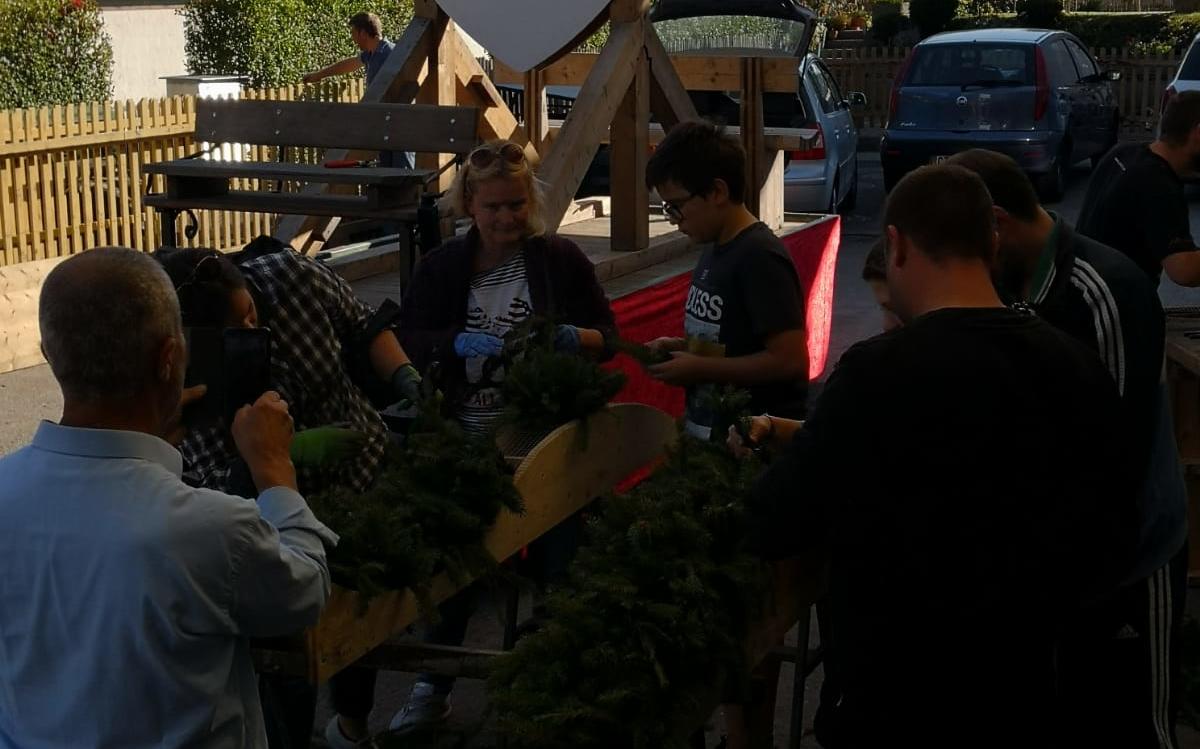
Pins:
x,y
104,316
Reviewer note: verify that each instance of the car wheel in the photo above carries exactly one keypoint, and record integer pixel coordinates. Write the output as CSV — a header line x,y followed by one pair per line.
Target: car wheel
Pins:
x,y
1054,183
1113,136
851,199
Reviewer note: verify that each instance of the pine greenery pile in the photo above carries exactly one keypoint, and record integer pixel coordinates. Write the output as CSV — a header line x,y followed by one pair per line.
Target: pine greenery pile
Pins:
x,y
543,388
426,513
650,627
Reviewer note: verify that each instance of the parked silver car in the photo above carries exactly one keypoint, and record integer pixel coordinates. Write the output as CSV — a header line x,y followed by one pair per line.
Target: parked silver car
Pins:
x,y
1187,78
822,178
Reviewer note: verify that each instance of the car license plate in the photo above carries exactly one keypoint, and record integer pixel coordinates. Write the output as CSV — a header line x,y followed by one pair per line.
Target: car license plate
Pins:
x,y
938,159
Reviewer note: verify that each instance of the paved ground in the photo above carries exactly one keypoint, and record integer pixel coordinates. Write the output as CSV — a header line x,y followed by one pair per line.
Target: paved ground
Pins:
x,y
30,395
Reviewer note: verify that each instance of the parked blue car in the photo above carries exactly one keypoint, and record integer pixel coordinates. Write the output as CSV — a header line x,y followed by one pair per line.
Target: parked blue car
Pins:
x,y
1036,95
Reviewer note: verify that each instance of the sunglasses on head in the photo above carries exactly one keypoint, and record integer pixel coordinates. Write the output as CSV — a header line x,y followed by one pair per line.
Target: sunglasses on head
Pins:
x,y
485,156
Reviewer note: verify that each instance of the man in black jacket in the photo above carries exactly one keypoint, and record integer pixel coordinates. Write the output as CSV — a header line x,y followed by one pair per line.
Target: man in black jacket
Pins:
x,y
994,481
1117,658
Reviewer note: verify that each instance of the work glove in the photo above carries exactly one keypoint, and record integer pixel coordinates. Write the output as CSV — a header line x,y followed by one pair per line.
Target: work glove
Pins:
x,y
314,448
406,384
566,339
473,345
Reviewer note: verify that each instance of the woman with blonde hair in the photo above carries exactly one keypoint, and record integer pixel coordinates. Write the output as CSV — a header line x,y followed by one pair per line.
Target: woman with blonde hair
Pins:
x,y
465,296
475,288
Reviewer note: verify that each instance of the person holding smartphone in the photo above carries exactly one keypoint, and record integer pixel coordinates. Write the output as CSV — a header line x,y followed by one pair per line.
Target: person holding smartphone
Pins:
x,y
315,324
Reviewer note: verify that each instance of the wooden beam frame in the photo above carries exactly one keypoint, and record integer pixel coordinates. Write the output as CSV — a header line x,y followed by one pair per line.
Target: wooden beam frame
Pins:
x,y
669,99
718,73
599,98
630,151
496,120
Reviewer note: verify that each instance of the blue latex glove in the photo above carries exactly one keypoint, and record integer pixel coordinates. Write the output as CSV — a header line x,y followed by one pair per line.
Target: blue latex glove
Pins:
x,y
472,345
566,339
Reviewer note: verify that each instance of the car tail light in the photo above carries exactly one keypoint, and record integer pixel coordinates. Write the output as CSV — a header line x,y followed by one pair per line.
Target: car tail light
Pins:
x,y
898,82
1169,94
1041,98
815,150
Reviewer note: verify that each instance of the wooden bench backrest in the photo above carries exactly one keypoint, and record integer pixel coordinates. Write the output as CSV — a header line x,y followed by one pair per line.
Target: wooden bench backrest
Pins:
x,y
421,128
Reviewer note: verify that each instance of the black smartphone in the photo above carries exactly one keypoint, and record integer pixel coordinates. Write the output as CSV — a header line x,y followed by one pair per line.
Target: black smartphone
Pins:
x,y
235,365
205,367
247,367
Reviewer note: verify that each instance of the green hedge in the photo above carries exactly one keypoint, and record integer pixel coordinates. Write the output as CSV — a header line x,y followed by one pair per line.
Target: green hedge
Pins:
x,y
275,42
1141,32
53,52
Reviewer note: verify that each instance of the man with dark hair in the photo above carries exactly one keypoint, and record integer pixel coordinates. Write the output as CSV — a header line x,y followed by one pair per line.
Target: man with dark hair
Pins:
x,y
367,33
1115,658
994,485
744,316
1135,201
129,597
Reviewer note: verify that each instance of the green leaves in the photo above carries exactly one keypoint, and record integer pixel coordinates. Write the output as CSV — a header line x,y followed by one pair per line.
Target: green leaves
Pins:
x,y
426,513
275,42
650,627
544,389
53,52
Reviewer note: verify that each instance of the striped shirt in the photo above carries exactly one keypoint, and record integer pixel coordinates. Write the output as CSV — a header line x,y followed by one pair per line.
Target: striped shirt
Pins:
x,y
498,301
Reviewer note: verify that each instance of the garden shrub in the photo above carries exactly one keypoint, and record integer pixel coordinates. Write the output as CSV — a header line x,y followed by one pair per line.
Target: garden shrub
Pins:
x,y
53,52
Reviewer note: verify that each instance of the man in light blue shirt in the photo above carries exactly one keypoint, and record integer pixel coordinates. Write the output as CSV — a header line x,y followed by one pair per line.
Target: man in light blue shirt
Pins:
x,y
127,598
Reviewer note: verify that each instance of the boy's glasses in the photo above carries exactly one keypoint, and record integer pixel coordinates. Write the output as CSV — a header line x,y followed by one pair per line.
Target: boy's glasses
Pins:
x,y
674,208
486,155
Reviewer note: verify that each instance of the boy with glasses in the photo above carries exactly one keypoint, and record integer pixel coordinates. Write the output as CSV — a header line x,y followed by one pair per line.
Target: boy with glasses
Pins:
x,y
744,316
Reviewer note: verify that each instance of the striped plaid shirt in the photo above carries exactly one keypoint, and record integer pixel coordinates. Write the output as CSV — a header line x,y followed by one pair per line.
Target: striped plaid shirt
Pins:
x,y
314,319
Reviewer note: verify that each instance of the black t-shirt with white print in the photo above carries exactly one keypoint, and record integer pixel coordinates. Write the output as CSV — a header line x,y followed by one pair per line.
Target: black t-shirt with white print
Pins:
x,y
743,292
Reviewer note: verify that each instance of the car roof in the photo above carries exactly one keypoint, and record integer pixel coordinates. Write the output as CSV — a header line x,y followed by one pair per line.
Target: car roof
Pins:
x,y
1021,36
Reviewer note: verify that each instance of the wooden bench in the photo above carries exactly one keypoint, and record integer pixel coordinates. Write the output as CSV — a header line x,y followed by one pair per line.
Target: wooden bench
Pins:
x,y
381,193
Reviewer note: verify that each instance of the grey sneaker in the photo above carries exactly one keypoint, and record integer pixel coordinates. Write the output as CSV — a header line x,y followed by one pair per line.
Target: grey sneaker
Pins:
x,y
338,740
425,708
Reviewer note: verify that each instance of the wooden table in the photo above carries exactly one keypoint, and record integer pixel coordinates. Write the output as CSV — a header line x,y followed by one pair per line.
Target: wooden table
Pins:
x,y
1183,378
378,192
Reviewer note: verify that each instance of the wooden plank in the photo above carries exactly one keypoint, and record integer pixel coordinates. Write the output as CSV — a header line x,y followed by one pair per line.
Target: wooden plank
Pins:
x,y
46,190
364,126
774,138
73,187
299,203
630,151
598,100
439,90
396,82
751,111
669,100
282,170
68,142
698,73
496,120
558,478
537,119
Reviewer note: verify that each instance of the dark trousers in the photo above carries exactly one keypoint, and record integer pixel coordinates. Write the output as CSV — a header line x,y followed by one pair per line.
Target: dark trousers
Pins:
x,y
289,705
1119,667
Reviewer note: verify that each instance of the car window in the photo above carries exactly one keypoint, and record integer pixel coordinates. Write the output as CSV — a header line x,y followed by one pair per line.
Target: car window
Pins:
x,y
1190,69
820,86
1058,59
972,63
830,81
1083,60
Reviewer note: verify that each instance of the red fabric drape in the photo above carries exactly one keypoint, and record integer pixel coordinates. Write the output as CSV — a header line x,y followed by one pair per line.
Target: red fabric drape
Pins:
x,y
658,311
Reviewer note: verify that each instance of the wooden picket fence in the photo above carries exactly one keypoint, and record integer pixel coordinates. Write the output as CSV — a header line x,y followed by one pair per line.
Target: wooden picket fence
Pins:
x,y
71,176
872,70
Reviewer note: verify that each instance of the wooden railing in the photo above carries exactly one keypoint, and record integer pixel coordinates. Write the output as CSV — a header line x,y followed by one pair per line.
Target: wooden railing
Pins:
x,y
71,176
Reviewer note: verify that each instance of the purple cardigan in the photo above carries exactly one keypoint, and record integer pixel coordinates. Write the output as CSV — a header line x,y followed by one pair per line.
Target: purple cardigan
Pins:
x,y
562,287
